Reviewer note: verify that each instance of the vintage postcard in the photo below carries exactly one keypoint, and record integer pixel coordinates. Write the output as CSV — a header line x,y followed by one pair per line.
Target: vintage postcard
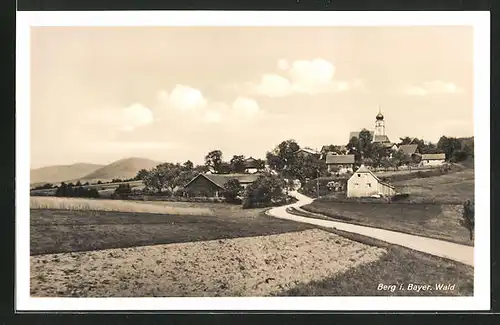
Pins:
x,y
232,160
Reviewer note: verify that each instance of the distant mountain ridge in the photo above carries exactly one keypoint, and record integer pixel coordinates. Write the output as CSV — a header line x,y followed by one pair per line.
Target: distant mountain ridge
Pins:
x,y
61,173
123,169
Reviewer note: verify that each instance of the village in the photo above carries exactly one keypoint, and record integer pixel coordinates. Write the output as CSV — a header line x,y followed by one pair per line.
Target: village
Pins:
x,y
234,163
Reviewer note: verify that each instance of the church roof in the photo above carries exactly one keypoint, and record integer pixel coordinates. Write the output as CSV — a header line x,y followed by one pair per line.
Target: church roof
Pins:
x,y
381,138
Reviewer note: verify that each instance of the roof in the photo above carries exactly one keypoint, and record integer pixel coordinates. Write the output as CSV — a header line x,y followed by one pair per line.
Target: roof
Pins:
x,y
355,134
339,159
251,162
363,169
387,144
433,156
381,138
311,151
221,179
408,149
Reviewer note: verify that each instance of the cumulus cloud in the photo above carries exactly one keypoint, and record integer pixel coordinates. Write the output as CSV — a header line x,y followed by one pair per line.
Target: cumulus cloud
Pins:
x,y
283,64
245,106
273,85
182,98
432,87
304,77
123,119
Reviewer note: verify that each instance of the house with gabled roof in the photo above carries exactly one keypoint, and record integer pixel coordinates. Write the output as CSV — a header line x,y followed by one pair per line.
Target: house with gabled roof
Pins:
x,y
253,165
339,163
212,185
432,159
364,183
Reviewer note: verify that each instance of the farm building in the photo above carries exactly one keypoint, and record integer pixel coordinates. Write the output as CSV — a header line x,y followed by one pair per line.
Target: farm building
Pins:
x,y
409,149
339,163
363,183
307,152
252,165
432,159
212,185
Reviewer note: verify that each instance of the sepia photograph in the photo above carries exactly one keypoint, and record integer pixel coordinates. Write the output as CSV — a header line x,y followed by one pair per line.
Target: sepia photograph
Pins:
x,y
252,161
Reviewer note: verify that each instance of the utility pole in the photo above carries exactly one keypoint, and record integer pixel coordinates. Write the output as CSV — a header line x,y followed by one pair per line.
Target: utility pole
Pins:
x,y
317,183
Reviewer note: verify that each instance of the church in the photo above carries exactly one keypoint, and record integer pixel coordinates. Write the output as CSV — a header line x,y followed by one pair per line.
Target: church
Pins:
x,y
378,135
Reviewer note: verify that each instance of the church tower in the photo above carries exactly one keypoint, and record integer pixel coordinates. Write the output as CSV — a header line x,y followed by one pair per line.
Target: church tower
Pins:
x,y
379,124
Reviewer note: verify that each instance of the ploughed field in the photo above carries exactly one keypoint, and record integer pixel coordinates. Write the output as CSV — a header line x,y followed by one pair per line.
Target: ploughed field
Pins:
x,y
213,249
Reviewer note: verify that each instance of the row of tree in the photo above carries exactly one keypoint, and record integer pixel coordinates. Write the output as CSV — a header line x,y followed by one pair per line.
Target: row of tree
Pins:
x,y
70,190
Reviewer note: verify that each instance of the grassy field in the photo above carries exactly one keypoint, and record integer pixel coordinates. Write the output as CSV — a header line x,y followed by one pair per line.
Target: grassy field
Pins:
x,y
428,220
54,231
453,188
400,267
433,208
84,204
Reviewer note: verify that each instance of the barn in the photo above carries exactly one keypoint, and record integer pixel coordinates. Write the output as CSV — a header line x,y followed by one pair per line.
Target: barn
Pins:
x,y
363,183
212,185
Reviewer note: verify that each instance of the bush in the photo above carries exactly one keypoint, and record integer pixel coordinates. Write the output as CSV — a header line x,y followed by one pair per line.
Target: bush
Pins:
x,y
467,220
68,190
400,196
267,190
123,190
232,191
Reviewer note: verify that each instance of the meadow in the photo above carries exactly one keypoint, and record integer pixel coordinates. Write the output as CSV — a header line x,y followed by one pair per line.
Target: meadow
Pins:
x,y
432,209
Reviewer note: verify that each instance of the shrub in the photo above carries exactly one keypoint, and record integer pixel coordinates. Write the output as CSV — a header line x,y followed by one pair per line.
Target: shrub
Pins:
x,y
267,190
123,190
467,220
232,191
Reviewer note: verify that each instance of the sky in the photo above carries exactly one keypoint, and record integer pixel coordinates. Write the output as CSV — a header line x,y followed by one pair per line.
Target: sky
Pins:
x,y
99,94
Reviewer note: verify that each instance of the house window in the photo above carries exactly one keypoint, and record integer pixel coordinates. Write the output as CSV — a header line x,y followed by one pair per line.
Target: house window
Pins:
x,y
356,184
368,185
359,175
340,166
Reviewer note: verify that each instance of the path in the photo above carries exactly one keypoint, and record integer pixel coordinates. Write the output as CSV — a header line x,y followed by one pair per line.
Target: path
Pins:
x,y
460,253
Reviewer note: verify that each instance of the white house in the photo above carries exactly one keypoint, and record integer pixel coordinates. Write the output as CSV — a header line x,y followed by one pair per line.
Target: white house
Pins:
x,y
432,159
363,183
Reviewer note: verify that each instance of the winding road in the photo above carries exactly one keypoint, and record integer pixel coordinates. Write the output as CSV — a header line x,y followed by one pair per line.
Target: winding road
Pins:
x,y
460,253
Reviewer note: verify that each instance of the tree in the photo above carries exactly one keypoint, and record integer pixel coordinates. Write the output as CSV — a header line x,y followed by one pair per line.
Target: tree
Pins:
x,y
123,190
78,183
333,149
467,220
266,190
188,166
365,143
378,153
261,164
237,164
201,169
354,149
283,156
232,191
449,146
213,160
141,174
385,163
155,179
306,167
